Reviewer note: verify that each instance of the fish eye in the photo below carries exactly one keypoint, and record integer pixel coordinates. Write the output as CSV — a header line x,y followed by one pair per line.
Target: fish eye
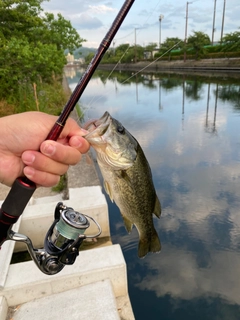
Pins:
x,y
120,129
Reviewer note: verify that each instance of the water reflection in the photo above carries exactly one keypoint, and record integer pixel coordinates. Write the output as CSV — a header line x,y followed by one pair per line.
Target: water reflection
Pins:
x,y
188,129
231,93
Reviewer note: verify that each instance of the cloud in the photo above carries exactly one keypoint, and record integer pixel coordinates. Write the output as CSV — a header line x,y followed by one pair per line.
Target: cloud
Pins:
x,y
188,280
145,15
86,22
101,9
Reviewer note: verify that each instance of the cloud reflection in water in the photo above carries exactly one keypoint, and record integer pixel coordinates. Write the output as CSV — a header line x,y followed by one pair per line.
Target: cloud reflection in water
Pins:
x,y
194,155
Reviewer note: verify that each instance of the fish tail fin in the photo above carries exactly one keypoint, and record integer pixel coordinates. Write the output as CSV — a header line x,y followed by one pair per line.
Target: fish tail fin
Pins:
x,y
146,246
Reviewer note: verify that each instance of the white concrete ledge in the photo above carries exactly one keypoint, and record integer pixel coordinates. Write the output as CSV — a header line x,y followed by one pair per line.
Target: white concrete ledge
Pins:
x,y
3,308
80,303
6,252
26,282
38,217
96,282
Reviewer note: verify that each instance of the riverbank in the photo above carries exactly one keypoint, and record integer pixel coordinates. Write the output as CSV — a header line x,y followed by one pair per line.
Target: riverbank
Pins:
x,y
217,65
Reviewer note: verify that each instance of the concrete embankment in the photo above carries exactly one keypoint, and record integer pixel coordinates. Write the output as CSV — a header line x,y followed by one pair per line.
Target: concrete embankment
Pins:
x,y
217,65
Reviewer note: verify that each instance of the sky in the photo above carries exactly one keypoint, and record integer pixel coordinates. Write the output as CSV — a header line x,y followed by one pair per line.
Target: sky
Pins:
x,y
92,19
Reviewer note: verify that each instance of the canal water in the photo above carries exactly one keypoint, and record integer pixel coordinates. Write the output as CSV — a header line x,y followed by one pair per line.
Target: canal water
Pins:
x,y
188,127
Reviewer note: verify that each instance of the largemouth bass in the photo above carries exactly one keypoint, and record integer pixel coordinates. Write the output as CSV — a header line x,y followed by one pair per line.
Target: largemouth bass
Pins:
x,y
127,178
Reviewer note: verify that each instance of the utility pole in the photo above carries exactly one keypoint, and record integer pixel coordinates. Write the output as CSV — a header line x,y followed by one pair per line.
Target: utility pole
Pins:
x,y
186,26
113,47
214,14
135,44
160,21
224,7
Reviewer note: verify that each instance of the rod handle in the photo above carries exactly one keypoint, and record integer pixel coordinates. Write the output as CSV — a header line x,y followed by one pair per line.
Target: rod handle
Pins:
x,y
14,204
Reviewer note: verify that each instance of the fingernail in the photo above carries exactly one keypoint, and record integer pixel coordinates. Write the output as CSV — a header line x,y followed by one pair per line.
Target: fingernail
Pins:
x,y
29,172
84,131
76,142
28,158
48,149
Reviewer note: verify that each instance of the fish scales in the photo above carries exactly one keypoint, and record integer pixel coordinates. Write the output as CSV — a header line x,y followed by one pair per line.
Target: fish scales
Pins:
x,y
127,179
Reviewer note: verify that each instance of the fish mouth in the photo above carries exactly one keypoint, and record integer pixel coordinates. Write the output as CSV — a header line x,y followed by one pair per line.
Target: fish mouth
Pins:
x,y
97,126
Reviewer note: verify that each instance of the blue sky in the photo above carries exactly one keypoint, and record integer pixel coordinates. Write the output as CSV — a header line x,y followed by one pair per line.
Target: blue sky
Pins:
x,y
92,19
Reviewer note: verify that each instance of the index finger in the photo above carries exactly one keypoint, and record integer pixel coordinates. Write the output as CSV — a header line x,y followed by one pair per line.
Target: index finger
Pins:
x,y
72,128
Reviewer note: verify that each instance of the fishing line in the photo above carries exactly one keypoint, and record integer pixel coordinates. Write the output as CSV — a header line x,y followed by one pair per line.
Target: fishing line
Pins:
x,y
94,98
140,29
141,70
124,36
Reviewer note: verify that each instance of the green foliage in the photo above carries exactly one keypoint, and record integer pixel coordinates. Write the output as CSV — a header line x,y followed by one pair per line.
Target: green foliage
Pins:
x,y
23,62
134,53
60,32
19,18
171,44
32,47
62,184
151,47
49,98
124,54
198,46
197,41
231,41
89,57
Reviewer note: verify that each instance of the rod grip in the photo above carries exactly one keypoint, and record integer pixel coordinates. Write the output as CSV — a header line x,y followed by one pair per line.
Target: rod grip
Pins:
x,y
14,205
18,197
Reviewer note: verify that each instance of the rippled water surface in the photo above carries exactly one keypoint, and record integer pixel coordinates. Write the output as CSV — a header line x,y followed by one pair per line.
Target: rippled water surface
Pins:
x,y
188,128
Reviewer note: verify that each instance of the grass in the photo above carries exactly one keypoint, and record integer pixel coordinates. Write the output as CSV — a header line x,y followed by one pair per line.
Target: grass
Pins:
x,y
45,97
62,185
6,108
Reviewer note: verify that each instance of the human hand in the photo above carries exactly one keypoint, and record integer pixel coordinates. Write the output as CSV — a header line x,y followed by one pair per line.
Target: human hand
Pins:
x,y
23,150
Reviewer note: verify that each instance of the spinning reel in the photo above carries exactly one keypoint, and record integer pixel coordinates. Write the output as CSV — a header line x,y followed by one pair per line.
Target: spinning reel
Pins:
x,y
62,241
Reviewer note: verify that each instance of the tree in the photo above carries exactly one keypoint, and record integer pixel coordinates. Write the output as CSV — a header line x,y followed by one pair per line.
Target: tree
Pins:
x,y
231,41
197,41
31,45
89,57
60,32
171,44
151,47
123,54
19,18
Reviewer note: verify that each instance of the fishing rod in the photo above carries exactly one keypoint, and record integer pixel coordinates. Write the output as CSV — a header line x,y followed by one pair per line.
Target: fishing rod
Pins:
x,y
23,188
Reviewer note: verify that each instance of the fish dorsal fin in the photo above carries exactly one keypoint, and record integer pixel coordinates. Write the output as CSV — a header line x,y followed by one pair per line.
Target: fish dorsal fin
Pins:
x,y
157,208
128,224
108,190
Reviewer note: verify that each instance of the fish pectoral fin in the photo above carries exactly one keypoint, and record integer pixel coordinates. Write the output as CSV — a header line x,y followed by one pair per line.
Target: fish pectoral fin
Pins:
x,y
157,208
108,190
128,224
122,174
88,159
